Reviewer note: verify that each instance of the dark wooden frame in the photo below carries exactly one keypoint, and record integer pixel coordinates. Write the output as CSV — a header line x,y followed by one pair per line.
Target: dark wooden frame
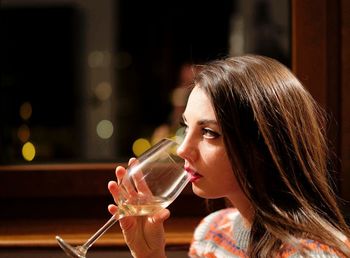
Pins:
x,y
321,60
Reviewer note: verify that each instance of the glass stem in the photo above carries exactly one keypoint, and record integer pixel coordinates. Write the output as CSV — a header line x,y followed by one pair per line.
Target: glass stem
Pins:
x,y
101,231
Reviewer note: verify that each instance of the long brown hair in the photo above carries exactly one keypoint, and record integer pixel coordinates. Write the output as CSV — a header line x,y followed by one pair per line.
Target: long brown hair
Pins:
x,y
274,133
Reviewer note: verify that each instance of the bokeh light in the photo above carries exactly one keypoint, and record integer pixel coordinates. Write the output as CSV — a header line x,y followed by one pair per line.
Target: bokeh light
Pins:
x,y
99,59
23,133
25,110
103,91
140,146
28,151
104,129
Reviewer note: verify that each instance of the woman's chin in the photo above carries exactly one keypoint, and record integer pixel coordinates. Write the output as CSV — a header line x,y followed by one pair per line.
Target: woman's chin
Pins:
x,y
200,192
205,193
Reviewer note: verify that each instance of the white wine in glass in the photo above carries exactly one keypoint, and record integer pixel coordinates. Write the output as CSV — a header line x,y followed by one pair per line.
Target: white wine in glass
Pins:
x,y
152,182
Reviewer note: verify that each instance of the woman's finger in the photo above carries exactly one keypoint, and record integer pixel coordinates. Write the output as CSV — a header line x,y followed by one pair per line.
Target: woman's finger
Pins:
x,y
114,190
131,160
120,172
113,209
138,178
141,184
127,189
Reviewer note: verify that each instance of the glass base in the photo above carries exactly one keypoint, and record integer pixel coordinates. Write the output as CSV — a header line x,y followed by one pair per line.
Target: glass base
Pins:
x,y
75,252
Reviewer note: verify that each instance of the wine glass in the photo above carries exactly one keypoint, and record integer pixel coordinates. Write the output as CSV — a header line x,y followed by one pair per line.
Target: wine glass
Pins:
x,y
151,183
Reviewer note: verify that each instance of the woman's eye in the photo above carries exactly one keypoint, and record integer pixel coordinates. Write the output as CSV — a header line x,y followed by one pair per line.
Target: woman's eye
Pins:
x,y
210,134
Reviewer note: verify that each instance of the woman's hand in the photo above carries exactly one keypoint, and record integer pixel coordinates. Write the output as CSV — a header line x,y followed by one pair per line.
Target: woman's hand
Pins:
x,y
144,235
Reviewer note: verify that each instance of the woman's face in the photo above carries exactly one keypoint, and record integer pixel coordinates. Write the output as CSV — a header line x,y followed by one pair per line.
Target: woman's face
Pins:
x,y
204,151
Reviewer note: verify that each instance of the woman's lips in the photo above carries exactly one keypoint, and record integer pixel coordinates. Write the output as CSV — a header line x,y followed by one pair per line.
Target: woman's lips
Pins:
x,y
194,175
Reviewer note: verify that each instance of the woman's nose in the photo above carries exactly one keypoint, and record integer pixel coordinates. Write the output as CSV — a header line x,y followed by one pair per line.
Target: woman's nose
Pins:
x,y
186,150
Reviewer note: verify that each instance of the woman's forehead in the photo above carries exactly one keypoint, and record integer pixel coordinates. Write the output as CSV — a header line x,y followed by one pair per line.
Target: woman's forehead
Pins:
x,y
199,105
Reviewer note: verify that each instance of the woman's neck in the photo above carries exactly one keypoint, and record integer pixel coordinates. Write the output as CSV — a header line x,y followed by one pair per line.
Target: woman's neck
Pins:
x,y
243,205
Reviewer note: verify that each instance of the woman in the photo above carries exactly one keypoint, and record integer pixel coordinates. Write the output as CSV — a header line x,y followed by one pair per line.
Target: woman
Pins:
x,y
256,137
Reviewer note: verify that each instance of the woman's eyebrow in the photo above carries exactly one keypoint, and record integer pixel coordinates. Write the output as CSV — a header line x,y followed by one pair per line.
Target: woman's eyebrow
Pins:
x,y
202,121
207,121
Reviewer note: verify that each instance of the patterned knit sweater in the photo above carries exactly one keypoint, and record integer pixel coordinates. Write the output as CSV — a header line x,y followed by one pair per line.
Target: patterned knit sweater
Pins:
x,y
223,234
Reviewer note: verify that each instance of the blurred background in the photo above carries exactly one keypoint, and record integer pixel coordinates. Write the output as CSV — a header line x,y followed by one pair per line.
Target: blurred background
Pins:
x,y
87,81
85,84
